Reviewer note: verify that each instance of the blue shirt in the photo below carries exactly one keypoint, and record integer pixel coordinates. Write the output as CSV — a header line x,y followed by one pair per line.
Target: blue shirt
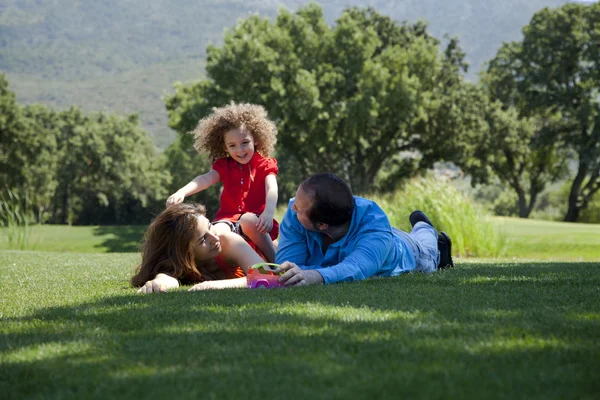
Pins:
x,y
371,247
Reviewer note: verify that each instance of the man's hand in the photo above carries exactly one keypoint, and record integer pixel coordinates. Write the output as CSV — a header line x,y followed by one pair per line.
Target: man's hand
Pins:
x,y
294,276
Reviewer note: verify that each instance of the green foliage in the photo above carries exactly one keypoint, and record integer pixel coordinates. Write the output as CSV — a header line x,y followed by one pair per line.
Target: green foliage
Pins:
x,y
472,233
553,72
70,325
122,56
496,142
351,96
592,213
105,160
15,216
77,168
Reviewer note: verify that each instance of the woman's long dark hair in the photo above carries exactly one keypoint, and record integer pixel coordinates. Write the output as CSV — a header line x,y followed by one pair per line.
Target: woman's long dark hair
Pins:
x,y
168,247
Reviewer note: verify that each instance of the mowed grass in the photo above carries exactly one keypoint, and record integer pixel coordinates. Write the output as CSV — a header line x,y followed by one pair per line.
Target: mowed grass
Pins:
x,y
80,239
523,238
548,240
70,327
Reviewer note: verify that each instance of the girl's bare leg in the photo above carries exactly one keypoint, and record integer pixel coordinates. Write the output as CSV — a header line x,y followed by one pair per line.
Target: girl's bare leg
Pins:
x,y
262,240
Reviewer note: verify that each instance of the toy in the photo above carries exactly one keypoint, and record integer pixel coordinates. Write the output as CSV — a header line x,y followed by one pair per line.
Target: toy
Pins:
x,y
262,275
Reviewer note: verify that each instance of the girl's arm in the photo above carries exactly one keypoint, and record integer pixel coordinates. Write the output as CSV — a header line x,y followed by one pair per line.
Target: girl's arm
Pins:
x,y
265,221
161,283
271,190
198,184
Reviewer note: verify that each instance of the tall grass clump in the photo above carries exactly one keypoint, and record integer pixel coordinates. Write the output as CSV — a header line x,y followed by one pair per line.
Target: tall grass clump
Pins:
x,y
15,214
472,233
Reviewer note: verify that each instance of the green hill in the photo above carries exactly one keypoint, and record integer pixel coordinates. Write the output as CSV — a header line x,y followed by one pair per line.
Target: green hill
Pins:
x,y
123,56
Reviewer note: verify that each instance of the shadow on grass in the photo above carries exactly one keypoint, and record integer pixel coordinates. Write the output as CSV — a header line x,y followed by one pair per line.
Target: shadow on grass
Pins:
x,y
478,332
121,239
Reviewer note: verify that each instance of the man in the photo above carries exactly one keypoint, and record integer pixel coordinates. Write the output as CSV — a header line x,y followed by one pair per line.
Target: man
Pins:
x,y
328,235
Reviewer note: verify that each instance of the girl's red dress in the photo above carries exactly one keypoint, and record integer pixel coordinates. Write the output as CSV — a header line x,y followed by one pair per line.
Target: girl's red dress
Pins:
x,y
244,188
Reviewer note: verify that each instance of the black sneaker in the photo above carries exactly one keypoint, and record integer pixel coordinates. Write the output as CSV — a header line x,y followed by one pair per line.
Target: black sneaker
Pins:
x,y
445,248
418,216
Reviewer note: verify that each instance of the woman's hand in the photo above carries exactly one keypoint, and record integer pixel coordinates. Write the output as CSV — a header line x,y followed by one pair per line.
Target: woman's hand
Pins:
x,y
161,283
265,222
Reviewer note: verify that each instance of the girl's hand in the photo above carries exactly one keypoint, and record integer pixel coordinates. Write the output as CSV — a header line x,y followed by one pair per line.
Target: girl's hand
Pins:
x,y
175,198
265,223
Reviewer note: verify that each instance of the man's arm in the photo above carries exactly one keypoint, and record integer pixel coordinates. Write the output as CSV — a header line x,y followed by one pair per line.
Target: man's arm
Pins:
x,y
293,246
365,260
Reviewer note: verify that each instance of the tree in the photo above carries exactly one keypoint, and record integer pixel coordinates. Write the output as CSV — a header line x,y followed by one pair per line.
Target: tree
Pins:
x,y
106,162
347,98
11,124
555,70
28,156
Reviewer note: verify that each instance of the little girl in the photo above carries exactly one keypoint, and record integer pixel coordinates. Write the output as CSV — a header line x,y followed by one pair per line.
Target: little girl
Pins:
x,y
239,139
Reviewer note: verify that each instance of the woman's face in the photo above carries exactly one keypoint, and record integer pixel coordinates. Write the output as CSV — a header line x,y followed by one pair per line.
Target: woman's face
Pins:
x,y
206,242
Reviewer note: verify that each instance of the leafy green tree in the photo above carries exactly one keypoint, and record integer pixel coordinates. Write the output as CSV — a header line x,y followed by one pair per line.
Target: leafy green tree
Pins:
x,y
106,162
40,148
555,70
494,141
346,98
28,156
11,124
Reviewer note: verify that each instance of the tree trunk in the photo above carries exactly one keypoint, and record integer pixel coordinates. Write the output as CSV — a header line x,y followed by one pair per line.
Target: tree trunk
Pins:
x,y
64,217
523,209
574,206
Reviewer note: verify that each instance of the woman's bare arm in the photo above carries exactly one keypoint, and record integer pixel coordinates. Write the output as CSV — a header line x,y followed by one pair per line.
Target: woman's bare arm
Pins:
x,y
237,252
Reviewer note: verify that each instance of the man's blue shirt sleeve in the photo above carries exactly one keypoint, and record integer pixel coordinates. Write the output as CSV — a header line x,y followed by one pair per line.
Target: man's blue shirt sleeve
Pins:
x,y
364,261
293,244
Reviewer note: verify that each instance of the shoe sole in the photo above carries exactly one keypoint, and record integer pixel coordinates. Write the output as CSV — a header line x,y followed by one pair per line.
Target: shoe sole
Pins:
x,y
445,236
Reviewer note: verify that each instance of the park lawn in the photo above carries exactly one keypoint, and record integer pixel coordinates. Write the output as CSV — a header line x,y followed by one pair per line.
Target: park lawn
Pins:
x,y
524,239
549,240
71,327
80,239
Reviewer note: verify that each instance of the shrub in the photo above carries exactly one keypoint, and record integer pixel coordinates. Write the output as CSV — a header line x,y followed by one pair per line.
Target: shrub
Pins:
x,y
467,224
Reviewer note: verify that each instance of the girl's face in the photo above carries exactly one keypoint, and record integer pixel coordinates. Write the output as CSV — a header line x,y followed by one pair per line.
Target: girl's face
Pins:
x,y
239,144
206,242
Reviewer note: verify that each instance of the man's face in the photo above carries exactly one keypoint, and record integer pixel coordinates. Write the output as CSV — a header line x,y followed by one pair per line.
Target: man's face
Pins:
x,y
302,205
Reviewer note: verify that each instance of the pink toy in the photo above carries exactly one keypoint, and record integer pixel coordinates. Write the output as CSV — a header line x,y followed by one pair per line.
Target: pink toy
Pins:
x,y
262,275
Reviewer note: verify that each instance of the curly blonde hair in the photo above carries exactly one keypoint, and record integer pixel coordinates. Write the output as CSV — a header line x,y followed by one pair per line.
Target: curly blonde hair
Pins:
x,y
209,134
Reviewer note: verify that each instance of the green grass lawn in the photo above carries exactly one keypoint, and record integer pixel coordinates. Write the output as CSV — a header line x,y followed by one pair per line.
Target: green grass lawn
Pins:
x,y
547,240
71,328
531,239
81,239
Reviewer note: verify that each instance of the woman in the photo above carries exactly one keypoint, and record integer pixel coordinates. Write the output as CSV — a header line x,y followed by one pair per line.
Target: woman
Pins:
x,y
181,245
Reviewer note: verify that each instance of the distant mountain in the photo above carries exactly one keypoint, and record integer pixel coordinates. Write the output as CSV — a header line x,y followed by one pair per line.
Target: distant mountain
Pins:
x,y
123,56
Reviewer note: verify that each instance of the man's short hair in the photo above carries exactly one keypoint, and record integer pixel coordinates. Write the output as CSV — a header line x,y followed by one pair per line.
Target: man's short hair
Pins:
x,y
333,202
